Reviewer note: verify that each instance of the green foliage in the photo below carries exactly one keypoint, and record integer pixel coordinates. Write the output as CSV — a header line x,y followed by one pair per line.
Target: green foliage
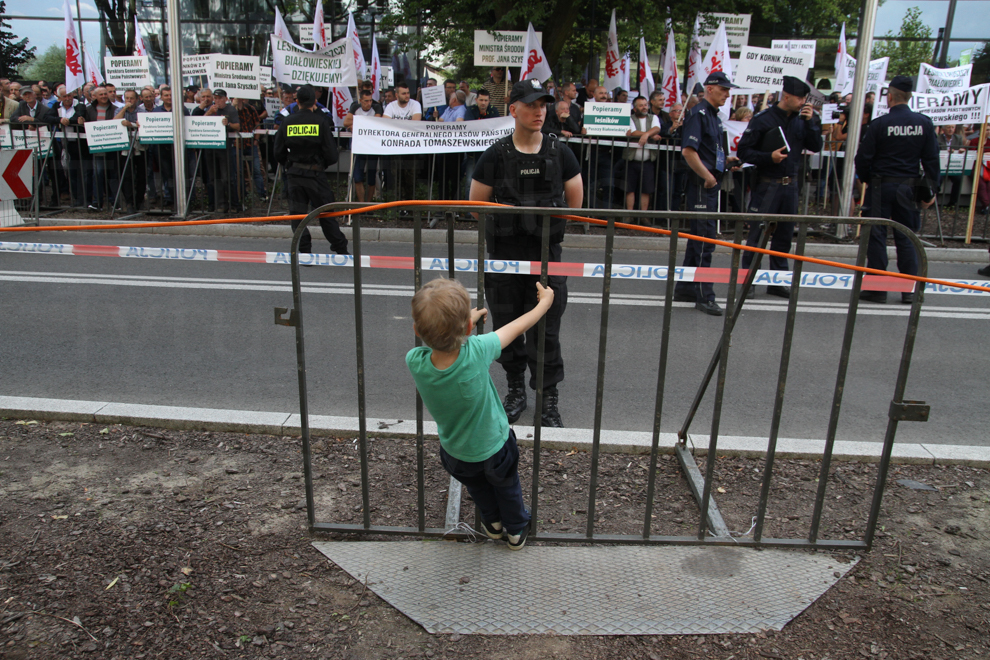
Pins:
x,y
906,56
12,53
177,593
50,67
981,64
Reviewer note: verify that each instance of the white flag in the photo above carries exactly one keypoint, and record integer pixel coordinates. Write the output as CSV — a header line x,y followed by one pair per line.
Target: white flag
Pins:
x,y
139,48
319,36
717,59
671,94
841,73
376,69
340,104
613,59
93,73
281,29
645,74
74,78
693,73
534,61
625,66
359,64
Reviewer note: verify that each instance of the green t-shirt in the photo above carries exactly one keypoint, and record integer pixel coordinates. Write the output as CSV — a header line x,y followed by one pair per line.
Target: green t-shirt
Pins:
x,y
462,398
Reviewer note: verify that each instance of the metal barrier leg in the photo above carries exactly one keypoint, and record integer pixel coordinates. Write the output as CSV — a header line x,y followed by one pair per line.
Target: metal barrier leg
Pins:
x,y
420,465
541,343
359,354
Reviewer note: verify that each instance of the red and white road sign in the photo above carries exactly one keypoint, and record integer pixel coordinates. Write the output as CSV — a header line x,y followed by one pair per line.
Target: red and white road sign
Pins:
x,y
16,172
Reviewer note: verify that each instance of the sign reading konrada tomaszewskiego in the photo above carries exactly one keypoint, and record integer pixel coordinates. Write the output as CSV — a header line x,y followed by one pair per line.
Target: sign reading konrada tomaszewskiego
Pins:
x,y
607,118
128,72
238,75
765,68
378,135
331,67
110,135
155,128
500,48
205,132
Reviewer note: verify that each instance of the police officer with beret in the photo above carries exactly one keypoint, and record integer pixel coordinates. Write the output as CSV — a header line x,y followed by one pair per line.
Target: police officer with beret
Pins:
x,y
773,142
304,146
527,168
888,161
704,149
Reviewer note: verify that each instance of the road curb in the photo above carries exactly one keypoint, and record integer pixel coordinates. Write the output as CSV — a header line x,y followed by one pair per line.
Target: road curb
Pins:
x,y
976,255
619,442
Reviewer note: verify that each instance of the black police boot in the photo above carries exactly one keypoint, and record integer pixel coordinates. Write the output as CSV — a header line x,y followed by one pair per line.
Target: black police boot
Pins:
x,y
515,399
550,416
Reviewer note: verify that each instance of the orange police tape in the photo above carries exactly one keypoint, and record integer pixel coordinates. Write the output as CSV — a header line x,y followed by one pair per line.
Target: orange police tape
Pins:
x,y
440,202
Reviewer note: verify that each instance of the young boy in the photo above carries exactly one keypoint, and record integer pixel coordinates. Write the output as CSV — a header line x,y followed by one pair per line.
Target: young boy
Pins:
x,y
477,447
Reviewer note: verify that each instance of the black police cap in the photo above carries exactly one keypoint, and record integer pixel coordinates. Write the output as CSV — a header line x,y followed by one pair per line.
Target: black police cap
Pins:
x,y
719,78
306,95
796,86
902,83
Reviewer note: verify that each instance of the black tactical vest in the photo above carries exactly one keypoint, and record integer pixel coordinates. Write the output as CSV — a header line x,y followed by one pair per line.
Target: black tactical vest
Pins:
x,y
530,180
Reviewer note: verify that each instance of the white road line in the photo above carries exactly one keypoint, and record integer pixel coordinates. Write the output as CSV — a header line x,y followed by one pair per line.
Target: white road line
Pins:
x,y
632,300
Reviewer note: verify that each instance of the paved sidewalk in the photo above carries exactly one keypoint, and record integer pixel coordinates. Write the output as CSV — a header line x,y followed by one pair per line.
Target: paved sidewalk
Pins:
x,y
976,254
628,442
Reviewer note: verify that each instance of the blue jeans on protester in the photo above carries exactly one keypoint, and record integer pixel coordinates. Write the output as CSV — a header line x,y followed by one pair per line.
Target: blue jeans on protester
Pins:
x,y
494,485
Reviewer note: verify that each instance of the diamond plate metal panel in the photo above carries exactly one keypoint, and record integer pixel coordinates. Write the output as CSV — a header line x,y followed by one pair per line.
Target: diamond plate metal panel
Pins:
x,y
484,588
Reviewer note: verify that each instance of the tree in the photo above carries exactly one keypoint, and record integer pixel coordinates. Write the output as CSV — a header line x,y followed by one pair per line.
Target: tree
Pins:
x,y
981,64
12,53
50,67
908,49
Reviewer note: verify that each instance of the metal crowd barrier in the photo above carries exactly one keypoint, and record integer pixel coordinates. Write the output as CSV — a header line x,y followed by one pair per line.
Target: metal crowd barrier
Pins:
x,y
711,529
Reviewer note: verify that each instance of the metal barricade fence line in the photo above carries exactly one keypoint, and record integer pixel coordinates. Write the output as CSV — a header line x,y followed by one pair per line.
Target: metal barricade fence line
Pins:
x,y
899,408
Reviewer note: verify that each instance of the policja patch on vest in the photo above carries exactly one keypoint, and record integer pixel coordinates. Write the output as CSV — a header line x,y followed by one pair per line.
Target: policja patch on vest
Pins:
x,y
302,130
529,172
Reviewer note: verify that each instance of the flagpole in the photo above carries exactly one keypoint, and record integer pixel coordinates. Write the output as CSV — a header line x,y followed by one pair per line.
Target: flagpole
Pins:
x,y
82,60
178,124
864,46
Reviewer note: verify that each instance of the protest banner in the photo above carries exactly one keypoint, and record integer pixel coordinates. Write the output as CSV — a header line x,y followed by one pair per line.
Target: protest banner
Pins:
x,y
330,67
611,119
377,135
103,136
433,96
801,45
273,105
306,34
501,48
874,79
266,76
155,128
205,132
765,68
967,106
736,29
195,65
238,75
25,137
128,72
932,80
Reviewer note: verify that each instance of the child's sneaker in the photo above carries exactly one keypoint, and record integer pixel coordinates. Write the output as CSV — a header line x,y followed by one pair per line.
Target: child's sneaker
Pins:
x,y
517,541
493,530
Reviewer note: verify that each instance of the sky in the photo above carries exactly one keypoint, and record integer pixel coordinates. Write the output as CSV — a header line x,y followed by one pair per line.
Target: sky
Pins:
x,y
970,20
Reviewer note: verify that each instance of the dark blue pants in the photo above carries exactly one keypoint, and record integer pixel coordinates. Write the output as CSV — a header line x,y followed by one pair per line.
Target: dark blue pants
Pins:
x,y
494,485
698,254
896,202
767,199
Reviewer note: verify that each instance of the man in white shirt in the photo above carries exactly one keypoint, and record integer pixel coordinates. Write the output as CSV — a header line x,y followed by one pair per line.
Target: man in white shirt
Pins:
x,y
403,108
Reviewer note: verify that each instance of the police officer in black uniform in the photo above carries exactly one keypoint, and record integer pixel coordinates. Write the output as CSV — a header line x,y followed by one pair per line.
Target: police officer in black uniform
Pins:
x,y
304,146
777,163
704,149
527,168
888,161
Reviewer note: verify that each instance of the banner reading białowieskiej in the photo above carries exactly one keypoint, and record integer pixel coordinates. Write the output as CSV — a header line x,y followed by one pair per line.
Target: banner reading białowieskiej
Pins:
x,y
377,136
331,67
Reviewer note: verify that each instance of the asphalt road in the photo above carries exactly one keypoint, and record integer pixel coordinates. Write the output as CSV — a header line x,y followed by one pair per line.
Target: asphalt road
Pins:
x,y
201,334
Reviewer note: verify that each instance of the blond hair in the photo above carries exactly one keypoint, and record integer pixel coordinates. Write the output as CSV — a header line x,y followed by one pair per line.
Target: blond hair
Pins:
x,y
441,311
